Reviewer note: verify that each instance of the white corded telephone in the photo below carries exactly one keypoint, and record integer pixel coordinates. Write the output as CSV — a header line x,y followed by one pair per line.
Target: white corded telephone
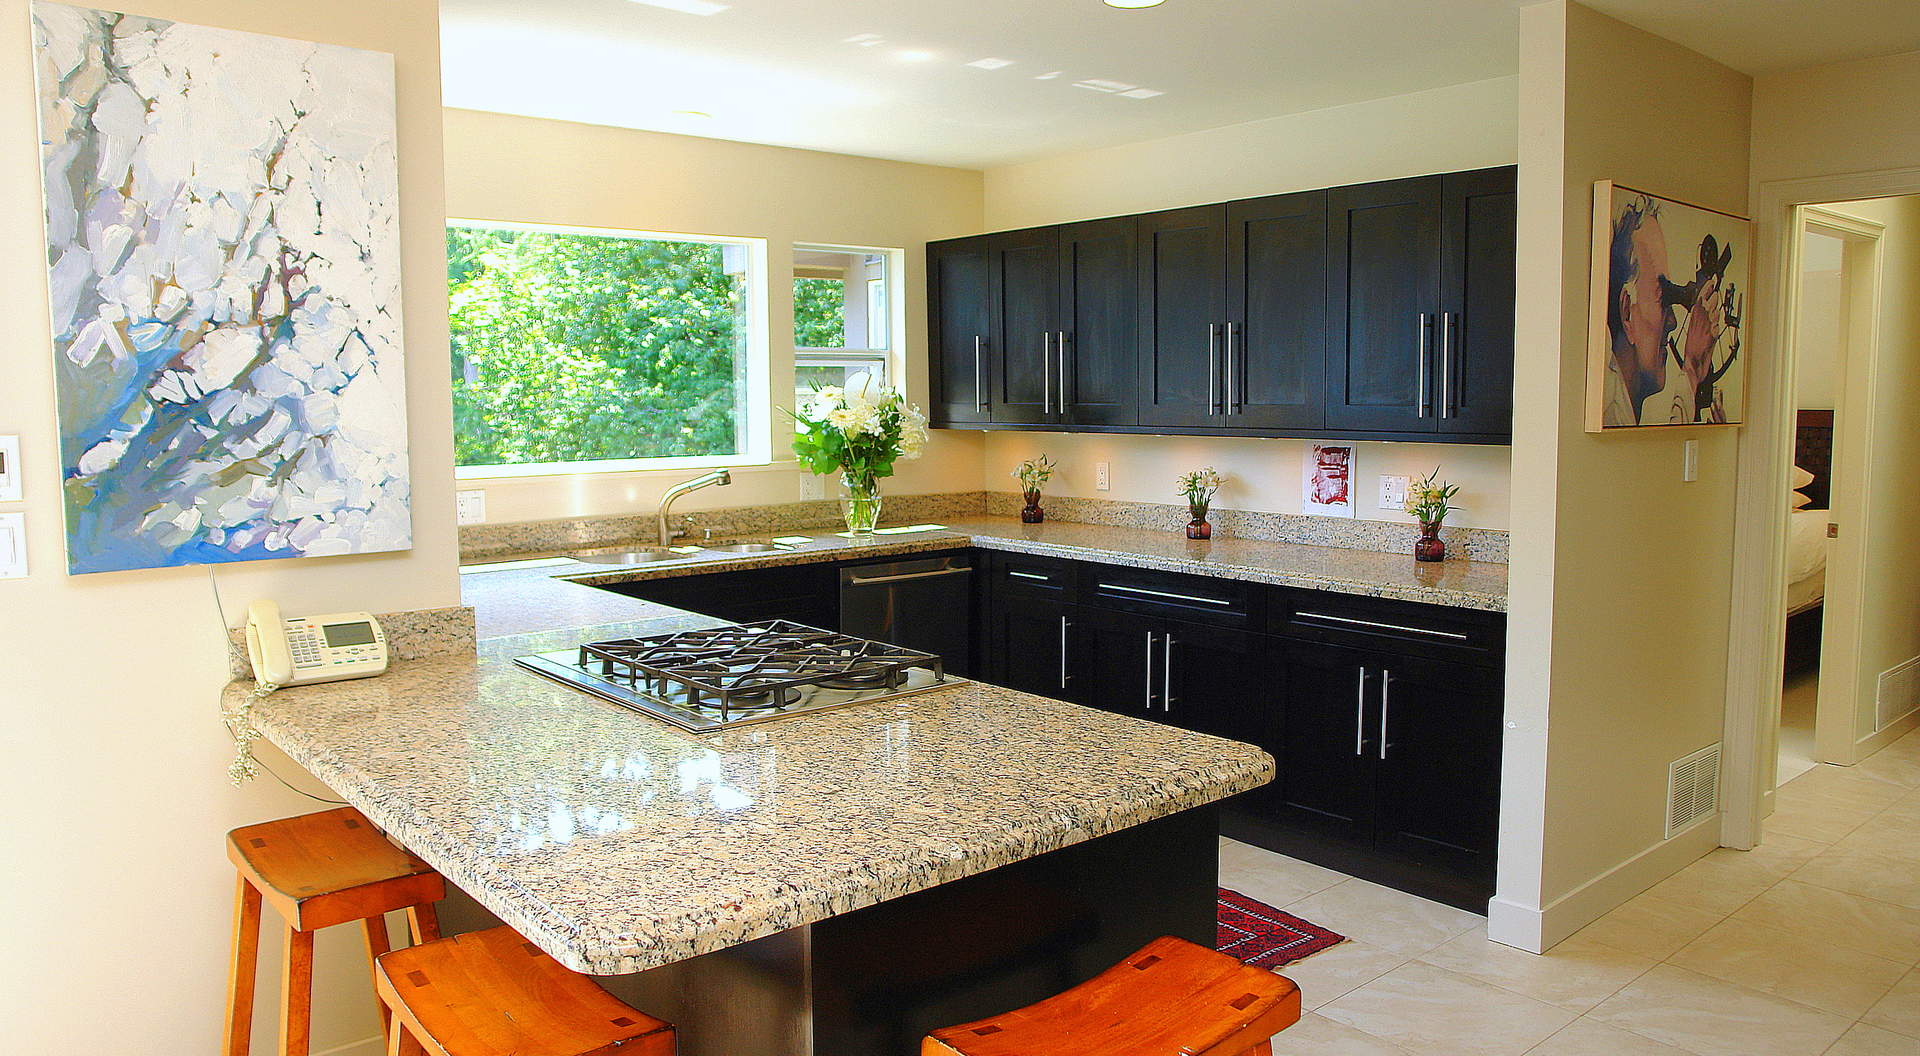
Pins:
x,y
310,649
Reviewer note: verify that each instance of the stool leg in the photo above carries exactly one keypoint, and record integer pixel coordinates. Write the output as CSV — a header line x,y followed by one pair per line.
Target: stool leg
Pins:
x,y
377,944
424,921
402,1043
240,971
1265,1048
296,995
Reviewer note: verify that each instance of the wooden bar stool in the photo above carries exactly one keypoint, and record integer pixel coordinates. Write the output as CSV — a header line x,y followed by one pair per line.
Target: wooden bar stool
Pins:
x,y
493,993
1170,997
317,870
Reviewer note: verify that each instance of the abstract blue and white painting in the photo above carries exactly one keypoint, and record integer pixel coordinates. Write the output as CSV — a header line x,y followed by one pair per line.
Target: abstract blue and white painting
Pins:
x,y
224,271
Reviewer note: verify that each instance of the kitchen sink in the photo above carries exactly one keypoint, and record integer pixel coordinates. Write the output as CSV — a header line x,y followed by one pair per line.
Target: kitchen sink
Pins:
x,y
745,548
645,555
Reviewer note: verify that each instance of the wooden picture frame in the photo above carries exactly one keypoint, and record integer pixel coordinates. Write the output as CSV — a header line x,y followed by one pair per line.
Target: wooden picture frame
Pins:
x,y
1666,313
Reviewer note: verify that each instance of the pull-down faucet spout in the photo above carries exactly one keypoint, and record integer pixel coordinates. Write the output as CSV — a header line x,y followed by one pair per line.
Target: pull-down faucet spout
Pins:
x,y
717,477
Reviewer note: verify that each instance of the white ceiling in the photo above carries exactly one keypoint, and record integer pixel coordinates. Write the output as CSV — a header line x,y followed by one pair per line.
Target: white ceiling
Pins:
x,y
797,73
1768,36
784,71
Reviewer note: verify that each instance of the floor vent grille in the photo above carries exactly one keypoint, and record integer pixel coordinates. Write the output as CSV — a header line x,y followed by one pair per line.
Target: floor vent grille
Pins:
x,y
1898,694
1693,789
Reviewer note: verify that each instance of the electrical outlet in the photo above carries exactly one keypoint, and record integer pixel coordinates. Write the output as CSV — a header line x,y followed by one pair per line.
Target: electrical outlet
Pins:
x,y
1393,491
813,486
470,507
13,546
9,469
1102,477
1690,460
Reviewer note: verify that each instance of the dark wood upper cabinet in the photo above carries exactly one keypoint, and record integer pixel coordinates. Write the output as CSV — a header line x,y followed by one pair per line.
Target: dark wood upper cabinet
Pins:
x,y
1475,386
1094,347
1182,304
960,323
1384,300
1274,350
1025,271
1378,311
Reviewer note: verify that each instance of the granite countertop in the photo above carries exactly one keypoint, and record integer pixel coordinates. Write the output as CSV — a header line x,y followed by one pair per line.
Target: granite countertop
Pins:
x,y
619,843
555,596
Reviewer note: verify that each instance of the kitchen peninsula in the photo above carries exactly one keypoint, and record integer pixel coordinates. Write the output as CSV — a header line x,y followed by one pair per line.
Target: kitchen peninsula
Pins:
x,y
852,877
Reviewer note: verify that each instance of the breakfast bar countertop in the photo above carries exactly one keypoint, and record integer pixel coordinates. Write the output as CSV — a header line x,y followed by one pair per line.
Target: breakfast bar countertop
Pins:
x,y
618,843
512,598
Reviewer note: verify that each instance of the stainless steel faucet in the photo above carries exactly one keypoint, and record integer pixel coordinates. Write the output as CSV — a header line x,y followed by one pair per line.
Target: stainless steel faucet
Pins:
x,y
718,476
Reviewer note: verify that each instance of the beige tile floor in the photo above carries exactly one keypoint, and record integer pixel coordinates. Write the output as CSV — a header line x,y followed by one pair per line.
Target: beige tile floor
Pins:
x,y
1807,945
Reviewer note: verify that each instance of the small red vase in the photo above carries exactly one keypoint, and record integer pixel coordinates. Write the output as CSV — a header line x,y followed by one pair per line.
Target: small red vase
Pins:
x,y
1033,514
1429,547
1199,528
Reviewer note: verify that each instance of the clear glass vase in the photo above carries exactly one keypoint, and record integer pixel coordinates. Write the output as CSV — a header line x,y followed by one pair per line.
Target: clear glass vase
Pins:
x,y
861,505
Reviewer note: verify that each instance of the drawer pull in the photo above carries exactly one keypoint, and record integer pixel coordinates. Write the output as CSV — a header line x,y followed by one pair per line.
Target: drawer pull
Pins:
x,y
1163,594
1454,635
1029,575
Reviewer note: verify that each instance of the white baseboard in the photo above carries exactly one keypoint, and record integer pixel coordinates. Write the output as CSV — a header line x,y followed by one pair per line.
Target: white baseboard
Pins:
x,y
1537,930
1895,730
373,1046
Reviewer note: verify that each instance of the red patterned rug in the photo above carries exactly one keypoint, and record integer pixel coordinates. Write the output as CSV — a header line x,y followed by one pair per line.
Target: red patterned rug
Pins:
x,y
1263,936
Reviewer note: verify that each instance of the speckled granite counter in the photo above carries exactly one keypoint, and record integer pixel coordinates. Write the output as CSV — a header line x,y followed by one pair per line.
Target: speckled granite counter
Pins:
x,y
521,600
618,843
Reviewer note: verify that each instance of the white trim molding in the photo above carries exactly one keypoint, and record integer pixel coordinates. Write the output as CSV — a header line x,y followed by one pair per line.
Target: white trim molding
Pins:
x,y
1539,929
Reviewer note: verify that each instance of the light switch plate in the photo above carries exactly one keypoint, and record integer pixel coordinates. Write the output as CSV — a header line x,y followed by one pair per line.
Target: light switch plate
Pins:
x,y
9,469
1393,491
470,507
1690,460
1102,476
13,546
813,487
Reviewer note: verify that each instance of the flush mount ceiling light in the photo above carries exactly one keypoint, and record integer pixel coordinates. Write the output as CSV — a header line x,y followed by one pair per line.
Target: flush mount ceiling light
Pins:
x,y
701,115
687,7
1130,5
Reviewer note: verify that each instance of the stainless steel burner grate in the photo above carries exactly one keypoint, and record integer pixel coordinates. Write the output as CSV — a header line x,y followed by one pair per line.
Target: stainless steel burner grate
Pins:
x,y
726,676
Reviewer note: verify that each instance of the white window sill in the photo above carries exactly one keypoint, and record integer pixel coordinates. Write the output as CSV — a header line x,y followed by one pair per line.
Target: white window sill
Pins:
x,y
607,465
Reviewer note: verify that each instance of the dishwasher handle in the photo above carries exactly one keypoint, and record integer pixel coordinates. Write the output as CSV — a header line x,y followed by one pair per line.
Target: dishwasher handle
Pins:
x,y
856,581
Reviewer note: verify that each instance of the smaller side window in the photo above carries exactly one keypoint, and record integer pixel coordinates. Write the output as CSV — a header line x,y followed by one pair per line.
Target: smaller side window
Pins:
x,y
842,316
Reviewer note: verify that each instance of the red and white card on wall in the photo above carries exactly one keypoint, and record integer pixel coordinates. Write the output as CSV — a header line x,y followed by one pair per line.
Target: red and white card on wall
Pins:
x,y
1327,485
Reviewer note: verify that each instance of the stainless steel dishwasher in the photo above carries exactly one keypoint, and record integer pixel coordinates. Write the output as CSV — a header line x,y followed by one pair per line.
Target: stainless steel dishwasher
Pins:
x,y
924,603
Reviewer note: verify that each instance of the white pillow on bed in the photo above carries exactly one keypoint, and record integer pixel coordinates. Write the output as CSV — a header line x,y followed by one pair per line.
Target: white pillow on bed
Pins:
x,y
1801,478
1799,500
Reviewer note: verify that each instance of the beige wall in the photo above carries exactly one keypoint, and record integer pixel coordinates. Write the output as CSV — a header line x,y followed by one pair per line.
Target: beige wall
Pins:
x,y
1621,572
1464,126
116,892
1822,331
532,170
1834,119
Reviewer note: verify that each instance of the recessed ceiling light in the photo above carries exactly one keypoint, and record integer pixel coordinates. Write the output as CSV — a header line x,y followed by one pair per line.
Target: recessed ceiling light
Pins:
x,y
700,114
865,40
1098,85
990,64
687,7
914,55
1134,4
1141,93
1055,75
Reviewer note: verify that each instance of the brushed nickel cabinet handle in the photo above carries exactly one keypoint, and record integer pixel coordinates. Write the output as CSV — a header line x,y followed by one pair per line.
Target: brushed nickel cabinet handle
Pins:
x,y
1360,715
1122,587
1454,635
1046,372
1386,702
1149,670
1446,364
1422,404
979,378
1233,400
1166,673
1213,368
1064,626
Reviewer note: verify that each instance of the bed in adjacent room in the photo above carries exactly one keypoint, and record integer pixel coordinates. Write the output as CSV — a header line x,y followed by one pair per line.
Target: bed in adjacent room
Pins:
x,y
1807,539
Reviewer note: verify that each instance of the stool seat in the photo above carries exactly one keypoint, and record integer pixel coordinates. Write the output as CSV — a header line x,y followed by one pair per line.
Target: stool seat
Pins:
x,y
1172,998
493,993
318,870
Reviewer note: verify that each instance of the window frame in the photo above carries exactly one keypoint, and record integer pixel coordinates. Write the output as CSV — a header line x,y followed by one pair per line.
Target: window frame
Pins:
x,y
892,357
756,399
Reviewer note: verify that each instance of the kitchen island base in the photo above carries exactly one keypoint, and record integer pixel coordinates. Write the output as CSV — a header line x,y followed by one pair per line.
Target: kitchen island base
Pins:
x,y
874,981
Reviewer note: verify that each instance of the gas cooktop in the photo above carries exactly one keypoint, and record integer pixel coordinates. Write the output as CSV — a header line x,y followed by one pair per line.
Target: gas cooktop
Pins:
x,y
722,677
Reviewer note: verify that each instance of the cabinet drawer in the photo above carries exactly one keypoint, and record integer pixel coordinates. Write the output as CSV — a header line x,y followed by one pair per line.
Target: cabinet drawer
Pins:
x,y
1021,575
1403,627
1197,599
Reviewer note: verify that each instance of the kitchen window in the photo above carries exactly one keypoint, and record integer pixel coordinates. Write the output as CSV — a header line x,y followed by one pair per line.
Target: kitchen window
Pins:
x,y
583,349
842,316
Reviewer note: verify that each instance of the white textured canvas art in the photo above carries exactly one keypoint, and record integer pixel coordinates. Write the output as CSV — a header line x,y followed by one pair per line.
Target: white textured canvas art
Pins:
x,y
224,270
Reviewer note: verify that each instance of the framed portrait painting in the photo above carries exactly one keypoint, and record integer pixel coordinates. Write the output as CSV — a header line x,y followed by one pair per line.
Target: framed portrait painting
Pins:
x,y
1666,313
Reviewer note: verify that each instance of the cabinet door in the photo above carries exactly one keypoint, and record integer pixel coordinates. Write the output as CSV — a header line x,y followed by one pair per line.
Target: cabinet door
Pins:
x,y
960,318
1325,742
1217,681
1095,352
1120,654
1383,299
1182,315
1475,373
1032,647
1438,772
1025,319
1276,342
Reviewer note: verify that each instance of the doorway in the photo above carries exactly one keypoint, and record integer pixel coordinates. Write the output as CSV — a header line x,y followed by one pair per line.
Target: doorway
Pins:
x,y
1834,302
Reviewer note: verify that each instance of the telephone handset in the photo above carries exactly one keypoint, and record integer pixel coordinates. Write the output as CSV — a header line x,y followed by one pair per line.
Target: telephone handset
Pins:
x,y
309,649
